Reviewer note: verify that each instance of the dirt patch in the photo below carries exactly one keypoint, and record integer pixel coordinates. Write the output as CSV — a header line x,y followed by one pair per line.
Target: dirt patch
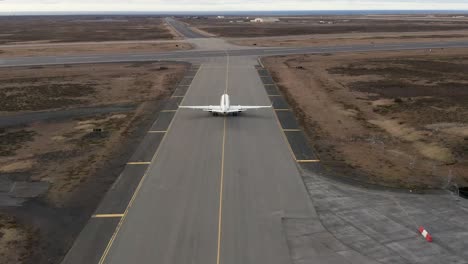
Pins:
x,y
389,118
79,158
17,166
10,141
43,96
59,87
50,29
16,240
95,48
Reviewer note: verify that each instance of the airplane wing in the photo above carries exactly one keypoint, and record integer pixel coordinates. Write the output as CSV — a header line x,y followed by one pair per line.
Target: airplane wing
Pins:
x,y
206,108
242,108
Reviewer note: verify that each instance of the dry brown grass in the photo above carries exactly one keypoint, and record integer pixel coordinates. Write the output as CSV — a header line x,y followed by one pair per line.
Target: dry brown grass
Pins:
x,y
388,118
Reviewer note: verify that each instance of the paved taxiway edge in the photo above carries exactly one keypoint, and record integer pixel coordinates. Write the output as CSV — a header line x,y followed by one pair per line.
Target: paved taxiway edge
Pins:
x,y
95,239
291,130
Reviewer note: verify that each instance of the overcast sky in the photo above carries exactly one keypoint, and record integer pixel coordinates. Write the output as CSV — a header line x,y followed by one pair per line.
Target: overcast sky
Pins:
x,y
230,5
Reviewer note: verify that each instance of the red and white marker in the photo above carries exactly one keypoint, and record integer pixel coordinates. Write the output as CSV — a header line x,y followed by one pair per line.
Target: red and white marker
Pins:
x,y
425,234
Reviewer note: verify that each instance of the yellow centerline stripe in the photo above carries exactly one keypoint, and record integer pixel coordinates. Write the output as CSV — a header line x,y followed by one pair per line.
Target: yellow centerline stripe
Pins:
x,y
292,130
306,161
221,182
107,215
260,62
227,72
139,163
122,219
221,188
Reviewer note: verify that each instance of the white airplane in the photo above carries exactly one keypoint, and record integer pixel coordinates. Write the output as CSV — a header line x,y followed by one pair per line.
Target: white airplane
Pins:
x,y
225,107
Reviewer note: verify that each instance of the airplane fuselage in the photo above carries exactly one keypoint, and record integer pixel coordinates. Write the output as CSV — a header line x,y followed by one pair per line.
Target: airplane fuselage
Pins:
x,y
225,104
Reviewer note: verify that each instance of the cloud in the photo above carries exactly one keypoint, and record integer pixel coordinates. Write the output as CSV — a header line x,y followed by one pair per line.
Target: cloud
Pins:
x,y
232,5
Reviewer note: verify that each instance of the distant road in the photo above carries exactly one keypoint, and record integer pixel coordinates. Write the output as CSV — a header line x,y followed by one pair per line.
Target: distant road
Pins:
x,y
197,54
60,44
182,29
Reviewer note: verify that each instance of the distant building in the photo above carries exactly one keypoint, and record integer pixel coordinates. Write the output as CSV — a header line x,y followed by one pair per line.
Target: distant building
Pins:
x,y
265,20
220,17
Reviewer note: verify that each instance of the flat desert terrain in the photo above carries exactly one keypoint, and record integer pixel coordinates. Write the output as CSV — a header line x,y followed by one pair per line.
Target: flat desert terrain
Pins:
x,y
397,119
90,48
54,29
340,39
317,25
66,132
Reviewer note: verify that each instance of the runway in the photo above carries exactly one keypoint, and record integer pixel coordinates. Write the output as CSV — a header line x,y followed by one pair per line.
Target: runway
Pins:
x,y
213,189
218,189
182,29
175,216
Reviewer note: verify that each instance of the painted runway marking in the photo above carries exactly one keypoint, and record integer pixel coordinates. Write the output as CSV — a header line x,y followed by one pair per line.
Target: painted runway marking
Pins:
x,y
107,215
283,132
178,96
156,131
221,184
307,161
12,187
122,219
139,163
72,58
285,138
220,212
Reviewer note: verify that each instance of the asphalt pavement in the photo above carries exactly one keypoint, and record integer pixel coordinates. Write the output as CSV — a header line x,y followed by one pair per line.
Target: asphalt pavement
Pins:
x,y
219,188
203,54
182,29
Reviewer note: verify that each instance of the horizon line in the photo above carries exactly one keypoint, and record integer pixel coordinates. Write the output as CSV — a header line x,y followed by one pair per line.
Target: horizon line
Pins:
x,y
174,12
